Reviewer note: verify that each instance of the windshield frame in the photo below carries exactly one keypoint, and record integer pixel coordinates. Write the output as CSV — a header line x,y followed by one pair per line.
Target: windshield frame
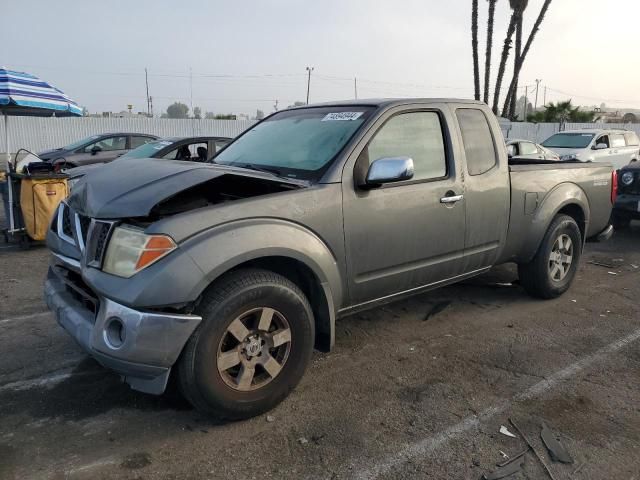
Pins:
x,y
309,176
570,134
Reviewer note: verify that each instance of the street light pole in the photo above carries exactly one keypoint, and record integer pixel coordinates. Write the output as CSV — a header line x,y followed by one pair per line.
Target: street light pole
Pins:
x,y
538,80
309,70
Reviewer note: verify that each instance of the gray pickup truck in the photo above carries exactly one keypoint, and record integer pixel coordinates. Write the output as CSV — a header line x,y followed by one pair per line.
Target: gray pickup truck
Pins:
x,y
226,275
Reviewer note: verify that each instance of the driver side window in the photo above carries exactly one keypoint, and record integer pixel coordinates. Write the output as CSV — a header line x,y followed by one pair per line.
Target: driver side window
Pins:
x,y
417,135
603,139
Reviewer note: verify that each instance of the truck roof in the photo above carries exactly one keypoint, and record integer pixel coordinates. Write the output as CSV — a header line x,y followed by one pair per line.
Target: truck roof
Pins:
x,y
388,102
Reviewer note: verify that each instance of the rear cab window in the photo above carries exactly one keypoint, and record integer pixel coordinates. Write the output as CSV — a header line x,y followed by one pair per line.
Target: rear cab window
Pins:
x,y
479,145
631,139
617,140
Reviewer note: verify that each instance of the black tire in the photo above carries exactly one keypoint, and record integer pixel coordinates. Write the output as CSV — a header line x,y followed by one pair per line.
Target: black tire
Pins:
x,y
620,220
536,277
199,378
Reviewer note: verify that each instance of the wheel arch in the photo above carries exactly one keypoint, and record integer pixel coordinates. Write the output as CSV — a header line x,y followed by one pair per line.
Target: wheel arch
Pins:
x,y
565,199
281,247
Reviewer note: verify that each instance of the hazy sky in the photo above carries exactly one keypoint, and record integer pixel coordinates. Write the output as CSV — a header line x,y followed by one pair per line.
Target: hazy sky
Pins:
x,y
246,54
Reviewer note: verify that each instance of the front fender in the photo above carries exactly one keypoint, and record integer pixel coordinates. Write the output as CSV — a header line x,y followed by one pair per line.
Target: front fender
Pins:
x,y
561,196
224,247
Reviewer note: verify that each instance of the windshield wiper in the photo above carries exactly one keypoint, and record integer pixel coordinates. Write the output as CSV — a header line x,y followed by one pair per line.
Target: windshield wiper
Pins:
x,y
250,166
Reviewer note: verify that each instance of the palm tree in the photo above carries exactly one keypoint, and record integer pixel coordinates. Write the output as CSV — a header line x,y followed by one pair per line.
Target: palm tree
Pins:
x,y
487,64
523,55
474,46
519,6
505,54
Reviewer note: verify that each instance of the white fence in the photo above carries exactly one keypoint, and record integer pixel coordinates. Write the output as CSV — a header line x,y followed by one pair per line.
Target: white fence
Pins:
x,y
36,134
538,132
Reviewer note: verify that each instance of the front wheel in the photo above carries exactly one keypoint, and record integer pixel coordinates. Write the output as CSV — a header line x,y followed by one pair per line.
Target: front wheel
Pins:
x,y
553,268
252,347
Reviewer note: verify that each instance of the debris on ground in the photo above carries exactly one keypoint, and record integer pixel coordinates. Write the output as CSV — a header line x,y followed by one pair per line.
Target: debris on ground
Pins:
x,y
303,441
612,273
504,472
512,459
271,418
602,264
538,456
504,455
556,450
437,308
505,431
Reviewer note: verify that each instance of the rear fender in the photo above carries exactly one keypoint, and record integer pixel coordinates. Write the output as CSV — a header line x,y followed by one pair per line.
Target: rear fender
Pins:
x,y
564,196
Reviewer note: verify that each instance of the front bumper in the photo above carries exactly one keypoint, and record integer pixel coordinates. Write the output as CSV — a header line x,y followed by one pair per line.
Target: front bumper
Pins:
x,y
628,205
141,346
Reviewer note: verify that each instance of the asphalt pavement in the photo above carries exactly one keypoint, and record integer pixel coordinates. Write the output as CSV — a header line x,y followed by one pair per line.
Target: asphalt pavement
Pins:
x,y
416,389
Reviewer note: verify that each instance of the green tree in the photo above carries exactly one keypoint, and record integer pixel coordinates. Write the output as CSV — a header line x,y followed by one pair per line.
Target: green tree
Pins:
x,y
474,47
209,115
177,110
225,116
562,112
197,112
259,114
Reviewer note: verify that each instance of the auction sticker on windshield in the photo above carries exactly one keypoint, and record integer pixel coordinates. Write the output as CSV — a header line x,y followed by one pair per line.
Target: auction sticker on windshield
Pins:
x,y
336,116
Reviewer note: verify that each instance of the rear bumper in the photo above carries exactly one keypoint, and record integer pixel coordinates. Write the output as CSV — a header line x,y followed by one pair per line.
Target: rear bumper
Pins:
x,y
141,346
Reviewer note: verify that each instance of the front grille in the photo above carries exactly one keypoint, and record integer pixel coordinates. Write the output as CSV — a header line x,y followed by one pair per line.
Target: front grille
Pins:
x,y
66,222
97,244
85,223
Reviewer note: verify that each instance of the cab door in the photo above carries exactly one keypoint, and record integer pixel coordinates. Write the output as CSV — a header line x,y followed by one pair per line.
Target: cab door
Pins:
x,y
487,187
406,235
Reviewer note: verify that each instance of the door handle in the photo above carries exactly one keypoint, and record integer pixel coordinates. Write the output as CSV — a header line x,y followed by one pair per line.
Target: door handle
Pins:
x,y
451,199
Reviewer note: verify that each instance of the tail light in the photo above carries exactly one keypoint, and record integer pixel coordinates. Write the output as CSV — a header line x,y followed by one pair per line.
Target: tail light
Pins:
x,y
614,186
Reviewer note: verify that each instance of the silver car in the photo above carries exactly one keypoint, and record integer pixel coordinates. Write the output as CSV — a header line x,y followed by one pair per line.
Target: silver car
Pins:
x,y
528,149
618,147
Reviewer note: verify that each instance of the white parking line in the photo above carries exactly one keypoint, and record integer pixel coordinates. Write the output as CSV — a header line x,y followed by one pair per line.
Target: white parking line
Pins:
x,y
47,381
430,444
24,317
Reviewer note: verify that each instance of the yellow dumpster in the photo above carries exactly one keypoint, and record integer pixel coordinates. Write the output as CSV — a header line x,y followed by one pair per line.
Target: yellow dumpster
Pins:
x,y
39,198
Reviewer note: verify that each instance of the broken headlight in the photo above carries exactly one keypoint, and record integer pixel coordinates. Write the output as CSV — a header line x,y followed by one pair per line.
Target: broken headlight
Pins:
x,y
131,250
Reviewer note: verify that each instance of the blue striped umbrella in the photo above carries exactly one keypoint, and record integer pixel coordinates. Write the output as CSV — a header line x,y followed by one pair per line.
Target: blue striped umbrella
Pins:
x,y
25,94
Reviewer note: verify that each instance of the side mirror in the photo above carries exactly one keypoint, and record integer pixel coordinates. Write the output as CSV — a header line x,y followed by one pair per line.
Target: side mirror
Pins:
x,y
389,170
95,149
600,146
511,150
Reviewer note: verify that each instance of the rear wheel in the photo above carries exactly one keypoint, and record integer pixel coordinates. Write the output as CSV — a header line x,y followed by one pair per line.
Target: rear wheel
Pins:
x,y
553,268
252,347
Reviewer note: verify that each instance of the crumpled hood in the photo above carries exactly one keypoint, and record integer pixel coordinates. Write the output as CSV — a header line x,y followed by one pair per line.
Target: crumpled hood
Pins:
x,y
119,190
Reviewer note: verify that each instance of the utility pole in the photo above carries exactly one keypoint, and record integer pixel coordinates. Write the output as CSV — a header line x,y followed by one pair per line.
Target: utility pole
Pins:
x,y
545,96
355,87
275,107
146,81
538,80
309,70
526,100
151,105
191,88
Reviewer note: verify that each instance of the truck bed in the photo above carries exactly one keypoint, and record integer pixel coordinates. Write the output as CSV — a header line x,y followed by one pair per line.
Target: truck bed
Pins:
x,y
537,189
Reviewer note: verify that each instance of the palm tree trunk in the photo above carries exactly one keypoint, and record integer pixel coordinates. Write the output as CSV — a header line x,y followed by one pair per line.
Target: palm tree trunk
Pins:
x,y
532,35
503,62
513,89
487,65
474,46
